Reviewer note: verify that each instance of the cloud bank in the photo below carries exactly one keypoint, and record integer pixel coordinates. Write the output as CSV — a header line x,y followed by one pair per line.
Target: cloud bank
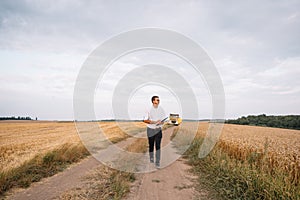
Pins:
x,y
254,45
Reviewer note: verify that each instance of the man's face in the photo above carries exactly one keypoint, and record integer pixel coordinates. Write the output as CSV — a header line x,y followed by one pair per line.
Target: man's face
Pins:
x,y
156,102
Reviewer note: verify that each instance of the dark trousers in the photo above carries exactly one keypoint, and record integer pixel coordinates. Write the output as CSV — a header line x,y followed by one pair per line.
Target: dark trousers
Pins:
x,y
154,137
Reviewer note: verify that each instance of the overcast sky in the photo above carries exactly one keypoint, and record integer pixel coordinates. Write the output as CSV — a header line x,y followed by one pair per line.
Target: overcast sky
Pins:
x,y
254,45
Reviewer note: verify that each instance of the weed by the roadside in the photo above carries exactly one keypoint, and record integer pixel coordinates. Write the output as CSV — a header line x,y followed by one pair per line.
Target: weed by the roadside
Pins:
x,y
102,183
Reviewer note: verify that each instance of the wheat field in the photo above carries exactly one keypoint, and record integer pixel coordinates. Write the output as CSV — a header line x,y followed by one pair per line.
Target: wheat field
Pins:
x,y
266,152
21,141
257,162
282,142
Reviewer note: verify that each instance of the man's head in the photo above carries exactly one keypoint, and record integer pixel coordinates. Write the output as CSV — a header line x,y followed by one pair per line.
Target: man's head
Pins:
x,y
155,101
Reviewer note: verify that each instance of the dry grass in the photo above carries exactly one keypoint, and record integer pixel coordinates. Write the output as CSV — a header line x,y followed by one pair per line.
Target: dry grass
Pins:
x,y
101,183
138,146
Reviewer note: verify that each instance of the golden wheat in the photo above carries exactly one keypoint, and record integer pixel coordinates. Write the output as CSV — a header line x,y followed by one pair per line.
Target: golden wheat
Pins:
x,y
272,151
21,141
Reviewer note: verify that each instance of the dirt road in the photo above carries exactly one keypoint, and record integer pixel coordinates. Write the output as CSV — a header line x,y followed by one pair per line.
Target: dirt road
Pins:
x,y
171,182
52,187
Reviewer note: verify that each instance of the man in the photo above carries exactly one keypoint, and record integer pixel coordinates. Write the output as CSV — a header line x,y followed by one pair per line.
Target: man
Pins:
x,y
154,129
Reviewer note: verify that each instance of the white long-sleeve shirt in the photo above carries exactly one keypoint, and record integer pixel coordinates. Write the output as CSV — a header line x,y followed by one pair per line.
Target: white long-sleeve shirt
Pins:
x,y
155,114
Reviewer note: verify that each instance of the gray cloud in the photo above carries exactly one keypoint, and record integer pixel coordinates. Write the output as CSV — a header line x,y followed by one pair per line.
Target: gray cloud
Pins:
x,y
255,46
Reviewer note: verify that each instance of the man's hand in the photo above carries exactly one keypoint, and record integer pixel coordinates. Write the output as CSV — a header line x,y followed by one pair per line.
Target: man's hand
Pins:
x,y
147,121
158,122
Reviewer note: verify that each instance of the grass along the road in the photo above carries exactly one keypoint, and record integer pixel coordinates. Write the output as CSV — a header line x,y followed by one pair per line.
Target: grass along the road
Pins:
x,y
249,162
41,166
101,183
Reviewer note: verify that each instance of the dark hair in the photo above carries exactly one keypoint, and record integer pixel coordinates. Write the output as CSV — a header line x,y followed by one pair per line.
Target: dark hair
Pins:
x,y
154,97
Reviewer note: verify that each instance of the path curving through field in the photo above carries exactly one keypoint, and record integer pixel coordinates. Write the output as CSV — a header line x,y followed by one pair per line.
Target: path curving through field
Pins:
x,y
172,182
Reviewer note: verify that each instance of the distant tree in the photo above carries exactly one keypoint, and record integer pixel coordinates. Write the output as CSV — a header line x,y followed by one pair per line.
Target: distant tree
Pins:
x,y
14,118
288,121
